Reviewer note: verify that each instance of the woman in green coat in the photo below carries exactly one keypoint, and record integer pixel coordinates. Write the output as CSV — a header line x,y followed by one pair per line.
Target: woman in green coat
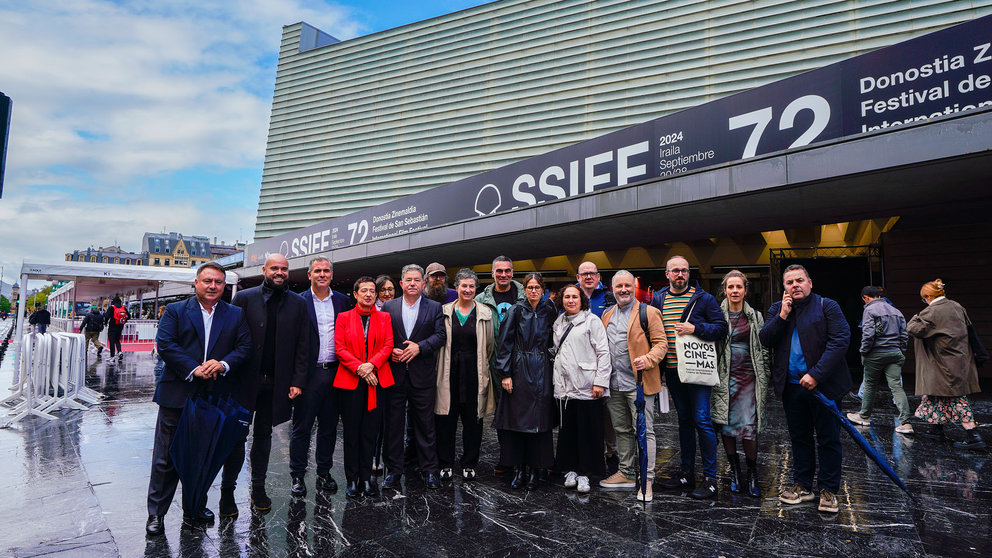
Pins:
x,y
738,400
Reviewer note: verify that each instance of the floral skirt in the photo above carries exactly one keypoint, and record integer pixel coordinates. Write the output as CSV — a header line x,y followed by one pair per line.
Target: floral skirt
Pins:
x,y
940,410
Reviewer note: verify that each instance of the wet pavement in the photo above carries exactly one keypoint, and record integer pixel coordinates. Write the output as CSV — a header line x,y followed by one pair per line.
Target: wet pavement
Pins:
x,y
76,487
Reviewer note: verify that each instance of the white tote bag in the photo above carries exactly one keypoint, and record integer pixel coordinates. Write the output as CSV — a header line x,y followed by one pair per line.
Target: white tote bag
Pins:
x,y
696,359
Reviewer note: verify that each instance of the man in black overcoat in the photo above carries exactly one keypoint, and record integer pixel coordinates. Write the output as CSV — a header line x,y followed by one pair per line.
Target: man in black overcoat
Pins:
x,y
277,374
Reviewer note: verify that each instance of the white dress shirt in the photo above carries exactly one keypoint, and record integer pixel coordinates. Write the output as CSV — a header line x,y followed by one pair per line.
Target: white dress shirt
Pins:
x,y
325,326
208,322
409,314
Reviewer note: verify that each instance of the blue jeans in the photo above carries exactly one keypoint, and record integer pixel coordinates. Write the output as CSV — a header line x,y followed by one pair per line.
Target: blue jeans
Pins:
x,y
692,403
805,415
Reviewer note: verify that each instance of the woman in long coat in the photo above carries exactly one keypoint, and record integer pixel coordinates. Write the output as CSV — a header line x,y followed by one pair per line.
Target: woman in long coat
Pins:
x,y
945,364
464,388
738,400
525,413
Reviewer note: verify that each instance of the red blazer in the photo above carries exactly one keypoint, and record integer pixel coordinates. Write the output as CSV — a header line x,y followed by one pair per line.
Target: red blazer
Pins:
x,y
350,348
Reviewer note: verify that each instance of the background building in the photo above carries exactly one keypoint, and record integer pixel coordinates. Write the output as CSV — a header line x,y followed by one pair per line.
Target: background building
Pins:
x,y
109,254
174,250
359,122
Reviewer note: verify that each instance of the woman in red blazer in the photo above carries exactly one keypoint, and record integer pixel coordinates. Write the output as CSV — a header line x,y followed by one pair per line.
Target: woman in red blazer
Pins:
x,y
363,341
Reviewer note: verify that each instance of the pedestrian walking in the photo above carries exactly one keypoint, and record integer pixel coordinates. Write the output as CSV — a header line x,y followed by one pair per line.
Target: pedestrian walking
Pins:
x,y
946,369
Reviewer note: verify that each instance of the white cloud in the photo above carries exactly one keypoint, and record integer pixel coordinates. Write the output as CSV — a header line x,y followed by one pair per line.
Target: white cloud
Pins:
x,y
109,94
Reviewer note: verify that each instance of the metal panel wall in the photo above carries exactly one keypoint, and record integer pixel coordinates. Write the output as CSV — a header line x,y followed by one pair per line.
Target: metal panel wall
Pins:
x,y
363,121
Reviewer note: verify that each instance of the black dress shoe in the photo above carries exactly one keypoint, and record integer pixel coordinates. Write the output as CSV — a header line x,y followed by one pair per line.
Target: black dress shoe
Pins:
x,y
532,479
155,526
206,517
326,483
370,488
392,480
299,488
227,507
519,478
260,500
353,490
433,481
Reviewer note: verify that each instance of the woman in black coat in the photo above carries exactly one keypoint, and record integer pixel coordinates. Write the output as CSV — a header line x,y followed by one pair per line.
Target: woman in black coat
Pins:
x,y
525,413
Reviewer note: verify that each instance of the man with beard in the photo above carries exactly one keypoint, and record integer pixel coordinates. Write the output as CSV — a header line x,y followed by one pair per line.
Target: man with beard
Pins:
x,y
437,285
280,332
631,350
687,309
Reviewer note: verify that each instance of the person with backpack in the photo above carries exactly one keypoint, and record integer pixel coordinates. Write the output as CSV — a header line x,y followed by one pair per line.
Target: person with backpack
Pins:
x,y
91,327
115,318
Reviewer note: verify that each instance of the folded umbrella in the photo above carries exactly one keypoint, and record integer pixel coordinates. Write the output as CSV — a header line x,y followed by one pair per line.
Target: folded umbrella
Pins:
x,y
641,431
208,430
878,458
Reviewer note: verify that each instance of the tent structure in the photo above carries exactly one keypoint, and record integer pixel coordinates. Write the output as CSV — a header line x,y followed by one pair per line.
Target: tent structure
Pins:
x,y
94,280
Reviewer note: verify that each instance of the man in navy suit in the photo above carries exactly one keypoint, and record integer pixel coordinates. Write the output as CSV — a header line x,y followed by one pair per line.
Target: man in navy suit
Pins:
x,y
418,332
200,339
280,332
318,402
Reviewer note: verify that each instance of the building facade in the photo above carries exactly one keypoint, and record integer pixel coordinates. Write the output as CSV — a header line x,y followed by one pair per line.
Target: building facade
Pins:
x,y
174,250
360,122
109,254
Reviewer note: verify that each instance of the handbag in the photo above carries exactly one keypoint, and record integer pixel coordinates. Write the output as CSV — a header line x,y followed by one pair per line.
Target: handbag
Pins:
x,y
696,358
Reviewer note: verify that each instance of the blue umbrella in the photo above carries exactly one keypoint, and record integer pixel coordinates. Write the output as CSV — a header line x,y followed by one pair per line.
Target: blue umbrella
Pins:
x,y
208,429
642,438
878,458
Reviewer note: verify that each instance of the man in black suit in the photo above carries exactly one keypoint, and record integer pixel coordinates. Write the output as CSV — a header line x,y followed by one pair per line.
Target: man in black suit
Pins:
x,y
418,332
277,374
200,339
318,402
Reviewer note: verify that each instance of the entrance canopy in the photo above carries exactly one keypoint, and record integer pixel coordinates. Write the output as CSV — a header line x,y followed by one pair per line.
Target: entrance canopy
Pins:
x,y
94,280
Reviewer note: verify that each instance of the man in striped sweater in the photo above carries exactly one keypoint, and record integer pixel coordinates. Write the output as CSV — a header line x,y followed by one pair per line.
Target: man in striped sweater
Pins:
x,y
687,309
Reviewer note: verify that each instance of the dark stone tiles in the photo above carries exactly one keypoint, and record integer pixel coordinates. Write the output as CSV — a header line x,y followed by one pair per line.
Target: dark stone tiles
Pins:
x,y
76,487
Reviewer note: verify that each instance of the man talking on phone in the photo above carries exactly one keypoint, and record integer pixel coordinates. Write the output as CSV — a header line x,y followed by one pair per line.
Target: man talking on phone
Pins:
x,y
810,336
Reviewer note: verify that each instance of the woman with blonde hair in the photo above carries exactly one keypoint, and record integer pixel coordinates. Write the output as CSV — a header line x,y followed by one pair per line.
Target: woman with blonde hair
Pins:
x,y
946,372
738,400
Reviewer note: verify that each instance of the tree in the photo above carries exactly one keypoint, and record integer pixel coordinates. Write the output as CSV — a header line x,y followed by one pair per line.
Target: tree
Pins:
x,y
4,304
40,298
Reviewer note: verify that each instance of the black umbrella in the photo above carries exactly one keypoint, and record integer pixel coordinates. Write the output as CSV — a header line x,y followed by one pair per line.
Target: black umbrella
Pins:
x,y
208,429
641,431
878,458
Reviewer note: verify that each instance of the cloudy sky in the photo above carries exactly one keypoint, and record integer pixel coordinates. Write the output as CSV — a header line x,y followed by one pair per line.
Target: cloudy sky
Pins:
x,y
135,116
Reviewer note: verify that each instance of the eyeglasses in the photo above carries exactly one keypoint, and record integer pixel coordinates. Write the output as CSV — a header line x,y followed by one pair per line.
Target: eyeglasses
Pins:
x,y
534,287
679,271
588,274
387,290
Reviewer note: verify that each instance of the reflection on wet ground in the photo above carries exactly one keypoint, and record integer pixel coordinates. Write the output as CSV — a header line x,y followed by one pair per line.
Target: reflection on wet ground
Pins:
x,y
76,487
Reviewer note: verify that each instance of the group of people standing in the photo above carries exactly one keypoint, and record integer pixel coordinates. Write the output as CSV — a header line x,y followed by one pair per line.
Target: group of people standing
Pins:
x,y
414,358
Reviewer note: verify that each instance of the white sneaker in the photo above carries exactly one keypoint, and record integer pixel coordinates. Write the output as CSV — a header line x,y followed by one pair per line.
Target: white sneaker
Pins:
x,y
570,479
905,428
583,485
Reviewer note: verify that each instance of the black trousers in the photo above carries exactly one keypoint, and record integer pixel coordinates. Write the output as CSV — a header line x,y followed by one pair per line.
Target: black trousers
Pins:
x,y
580,438
527,449
447,427
163,480
805,415
114,339
261,446
421,401
318,403
360,428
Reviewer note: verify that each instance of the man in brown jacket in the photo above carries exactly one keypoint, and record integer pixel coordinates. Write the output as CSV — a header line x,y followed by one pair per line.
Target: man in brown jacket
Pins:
x,y
630,351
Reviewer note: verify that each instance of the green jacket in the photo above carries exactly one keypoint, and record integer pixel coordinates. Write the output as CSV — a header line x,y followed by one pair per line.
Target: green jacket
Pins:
x,y
486,297
720,395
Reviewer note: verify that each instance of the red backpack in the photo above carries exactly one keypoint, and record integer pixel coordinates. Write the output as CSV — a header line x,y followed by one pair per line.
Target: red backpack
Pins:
x,y
120,315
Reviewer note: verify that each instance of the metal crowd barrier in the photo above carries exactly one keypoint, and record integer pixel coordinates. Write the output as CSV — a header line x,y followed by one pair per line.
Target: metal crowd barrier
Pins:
x,y
52,376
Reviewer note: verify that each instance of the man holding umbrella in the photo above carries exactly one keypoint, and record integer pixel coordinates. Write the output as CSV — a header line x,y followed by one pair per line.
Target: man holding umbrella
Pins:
x,y
810,336
200,339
